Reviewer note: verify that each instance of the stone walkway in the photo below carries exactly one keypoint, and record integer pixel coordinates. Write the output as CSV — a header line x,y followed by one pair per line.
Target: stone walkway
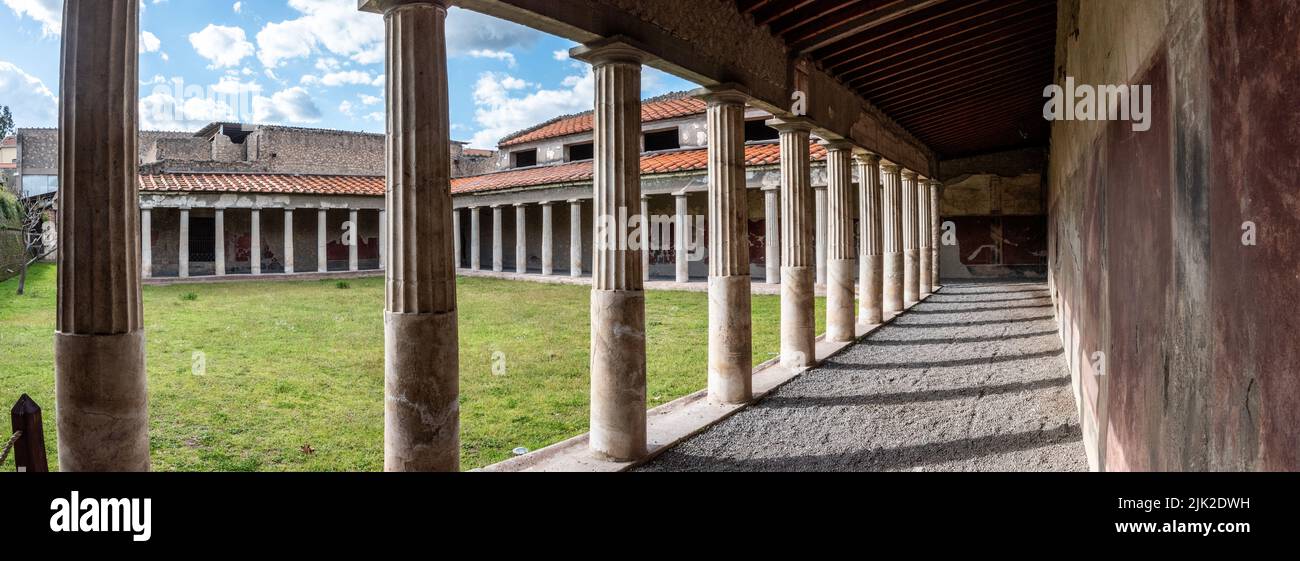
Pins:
x,y
970,380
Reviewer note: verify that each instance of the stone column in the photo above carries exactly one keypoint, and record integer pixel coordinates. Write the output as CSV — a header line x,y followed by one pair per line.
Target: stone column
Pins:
x,y
820,237
146,242
455,238
681,229
911,250
322,241
548,238
219,243
183,254
731,363
798,261
354,247
644,221
521,239
575,238
255,245
936,227
475,241
498,255
383,239
100,385
841,262
923,236
870,254
772,234
421,368
288,241
892,208
618,346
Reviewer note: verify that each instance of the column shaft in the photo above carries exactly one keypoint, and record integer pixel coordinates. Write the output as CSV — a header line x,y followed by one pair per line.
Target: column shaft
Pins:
x,y
575,238
146,242
322,241
498,255
548,238
936,224
99,361
421,362
798,260
354,247
288,240
521,239
892,207
457,254
183,247
772,235
475,243
644,221
219,242
682,231
841,261
923,236
820,224
383,240
255,244
870,254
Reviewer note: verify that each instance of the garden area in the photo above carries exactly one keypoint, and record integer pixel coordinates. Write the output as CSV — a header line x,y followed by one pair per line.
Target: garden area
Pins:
x,y
289,375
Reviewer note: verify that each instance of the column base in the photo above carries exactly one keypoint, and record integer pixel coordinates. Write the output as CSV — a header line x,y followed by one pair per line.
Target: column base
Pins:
x,y
911,276
102,402
924,272
731,361
773,276
840,326
618,383
798,318
421,391
893,288
871,271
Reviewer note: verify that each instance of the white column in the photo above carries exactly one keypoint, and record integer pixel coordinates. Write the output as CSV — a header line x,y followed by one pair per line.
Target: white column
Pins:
x,y
731,363
498,259
421,368
798,262
475,243
936,225
288,240
841,261
455,237
575,238
219,241
101,397
870,250
772,233
355,246
183,254
521,239
548,238
383,239
146,242
923,236
681,231
892,207
644,221
618,345
820,193
911,251
255,246
322,241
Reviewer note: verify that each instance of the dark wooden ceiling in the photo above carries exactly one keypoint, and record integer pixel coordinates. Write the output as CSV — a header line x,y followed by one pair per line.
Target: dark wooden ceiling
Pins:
x,y
965,76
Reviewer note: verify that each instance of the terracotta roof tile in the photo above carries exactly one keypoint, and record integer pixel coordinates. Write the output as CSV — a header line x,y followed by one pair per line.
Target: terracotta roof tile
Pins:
x,y
264,183
9,141
668,107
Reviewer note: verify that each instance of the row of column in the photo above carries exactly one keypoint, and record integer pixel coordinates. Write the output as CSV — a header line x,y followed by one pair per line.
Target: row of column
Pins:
x,y
99,343
255,242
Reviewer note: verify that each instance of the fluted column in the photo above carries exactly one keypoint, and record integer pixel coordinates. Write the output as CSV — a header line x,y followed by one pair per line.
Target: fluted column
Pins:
x,y
575,238
911,250
923,236
681,225
421,362
892,207
841,261
183,245
521,239
354,257
255,245
146,242
731,361
936,223
618,346
644,221
288,240
322,241
99,362
548,238
772,234
870,251
798,262
498,256
219,241
819,192
475,241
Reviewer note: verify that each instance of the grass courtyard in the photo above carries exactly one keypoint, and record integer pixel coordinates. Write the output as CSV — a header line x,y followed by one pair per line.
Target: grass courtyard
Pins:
x,y
294,369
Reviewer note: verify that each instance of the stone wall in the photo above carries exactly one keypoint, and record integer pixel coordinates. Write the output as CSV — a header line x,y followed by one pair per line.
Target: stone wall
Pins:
x,y
1179,336
996,204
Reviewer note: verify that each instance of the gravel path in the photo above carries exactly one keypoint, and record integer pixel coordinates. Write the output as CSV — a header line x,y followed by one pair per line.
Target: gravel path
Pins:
x,y
970,380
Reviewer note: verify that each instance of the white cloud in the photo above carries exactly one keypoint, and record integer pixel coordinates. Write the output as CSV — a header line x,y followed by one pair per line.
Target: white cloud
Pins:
x,y
149,42
49,13
293,105
33,104
501,109
370,99
499,55
346,108
560,55
344,78
224,46
238,7
471,31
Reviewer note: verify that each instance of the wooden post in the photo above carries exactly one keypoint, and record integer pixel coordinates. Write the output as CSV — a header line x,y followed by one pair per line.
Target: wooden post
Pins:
x,y
29,450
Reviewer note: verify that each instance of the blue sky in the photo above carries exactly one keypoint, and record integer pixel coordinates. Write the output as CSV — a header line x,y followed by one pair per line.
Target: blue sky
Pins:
x,y
316,63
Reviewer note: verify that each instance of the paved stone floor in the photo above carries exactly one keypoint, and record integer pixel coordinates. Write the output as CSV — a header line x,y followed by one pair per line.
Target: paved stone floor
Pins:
x,y
972,379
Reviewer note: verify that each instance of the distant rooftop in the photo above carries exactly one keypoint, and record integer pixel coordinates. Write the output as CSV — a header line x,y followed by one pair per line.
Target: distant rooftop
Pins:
x,y
668,106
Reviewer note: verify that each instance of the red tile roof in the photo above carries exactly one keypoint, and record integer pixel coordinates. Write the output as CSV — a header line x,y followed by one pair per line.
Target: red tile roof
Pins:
x,y
264,183
658,109
9,165
9,141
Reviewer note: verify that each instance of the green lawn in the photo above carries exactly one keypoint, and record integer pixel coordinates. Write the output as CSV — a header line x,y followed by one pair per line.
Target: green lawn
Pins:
x,y
294,377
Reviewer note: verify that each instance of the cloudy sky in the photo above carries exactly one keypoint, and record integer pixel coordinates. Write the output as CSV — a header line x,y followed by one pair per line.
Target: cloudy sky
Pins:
x,y
316,63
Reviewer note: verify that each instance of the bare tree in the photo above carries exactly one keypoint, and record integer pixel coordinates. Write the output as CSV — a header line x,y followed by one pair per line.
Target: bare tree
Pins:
x,y
39,240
